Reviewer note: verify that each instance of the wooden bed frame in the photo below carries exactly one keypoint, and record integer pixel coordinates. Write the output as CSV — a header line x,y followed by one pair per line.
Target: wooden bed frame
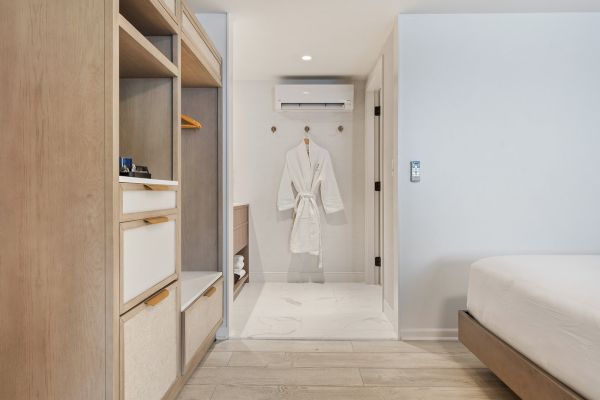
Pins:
x,y
526,379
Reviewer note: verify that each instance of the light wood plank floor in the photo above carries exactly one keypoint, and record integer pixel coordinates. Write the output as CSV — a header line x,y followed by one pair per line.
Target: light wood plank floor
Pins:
x,y
341,370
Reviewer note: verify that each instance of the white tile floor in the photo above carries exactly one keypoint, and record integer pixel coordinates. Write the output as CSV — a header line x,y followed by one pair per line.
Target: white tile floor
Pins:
x,y
276,310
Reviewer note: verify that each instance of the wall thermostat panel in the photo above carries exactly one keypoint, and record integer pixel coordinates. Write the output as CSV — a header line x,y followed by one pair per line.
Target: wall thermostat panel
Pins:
x,y
415,171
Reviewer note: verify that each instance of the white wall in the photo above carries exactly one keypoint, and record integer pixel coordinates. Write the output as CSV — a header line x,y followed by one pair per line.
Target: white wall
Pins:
x,y
258,163
504,113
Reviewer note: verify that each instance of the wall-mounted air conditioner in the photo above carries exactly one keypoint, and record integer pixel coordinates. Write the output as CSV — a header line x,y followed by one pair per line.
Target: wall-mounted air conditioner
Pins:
x,y
314,97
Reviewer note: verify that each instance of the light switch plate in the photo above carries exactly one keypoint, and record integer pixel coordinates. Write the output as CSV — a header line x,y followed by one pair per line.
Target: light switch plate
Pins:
x,y
415,171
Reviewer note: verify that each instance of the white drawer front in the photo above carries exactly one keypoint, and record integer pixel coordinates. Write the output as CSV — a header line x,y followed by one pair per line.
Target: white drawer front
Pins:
x,y
148,255
149,349
200,319
144,200
200,45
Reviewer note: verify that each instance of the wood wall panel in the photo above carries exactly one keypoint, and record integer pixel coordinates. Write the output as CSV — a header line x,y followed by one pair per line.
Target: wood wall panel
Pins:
x,y
200,181
52,235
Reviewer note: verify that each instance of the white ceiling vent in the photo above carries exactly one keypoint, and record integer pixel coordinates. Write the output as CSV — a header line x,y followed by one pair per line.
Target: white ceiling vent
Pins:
x,y
314,97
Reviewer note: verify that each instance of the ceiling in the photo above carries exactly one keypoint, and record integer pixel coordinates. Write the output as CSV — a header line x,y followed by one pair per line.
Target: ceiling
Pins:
x,y
344,37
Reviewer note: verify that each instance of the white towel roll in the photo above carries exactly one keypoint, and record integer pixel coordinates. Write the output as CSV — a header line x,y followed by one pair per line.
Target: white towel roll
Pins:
x,y
241,273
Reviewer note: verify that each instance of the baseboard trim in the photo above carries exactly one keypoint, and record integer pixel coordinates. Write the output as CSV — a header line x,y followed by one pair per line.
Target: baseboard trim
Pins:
x,y
429,334
318,277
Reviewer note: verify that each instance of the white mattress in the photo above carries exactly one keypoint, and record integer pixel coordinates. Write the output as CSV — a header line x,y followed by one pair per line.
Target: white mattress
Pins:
x,y
547,308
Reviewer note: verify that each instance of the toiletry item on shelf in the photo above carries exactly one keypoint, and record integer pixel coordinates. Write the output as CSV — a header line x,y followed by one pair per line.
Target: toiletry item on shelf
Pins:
x,y
125,165
141,171
128,168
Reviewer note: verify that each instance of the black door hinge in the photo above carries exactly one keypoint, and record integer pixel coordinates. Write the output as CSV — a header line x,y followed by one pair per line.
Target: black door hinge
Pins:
x,y
377,111
378,261
378,186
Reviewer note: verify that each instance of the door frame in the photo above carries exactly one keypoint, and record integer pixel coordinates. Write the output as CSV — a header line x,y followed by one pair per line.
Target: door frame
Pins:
x,y
385,84
374,84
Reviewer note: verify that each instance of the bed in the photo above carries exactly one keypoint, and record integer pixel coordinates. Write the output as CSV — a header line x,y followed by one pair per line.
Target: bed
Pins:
x,y
535,322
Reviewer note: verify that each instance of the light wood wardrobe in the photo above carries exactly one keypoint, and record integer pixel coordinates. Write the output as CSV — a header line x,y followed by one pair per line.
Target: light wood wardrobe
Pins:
x,y
110,287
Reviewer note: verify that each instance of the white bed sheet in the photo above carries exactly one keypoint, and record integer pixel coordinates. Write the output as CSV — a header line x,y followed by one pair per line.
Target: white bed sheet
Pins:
x,y
547,308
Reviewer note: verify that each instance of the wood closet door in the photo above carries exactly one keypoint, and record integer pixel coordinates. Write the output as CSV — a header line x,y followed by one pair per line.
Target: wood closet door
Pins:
x,y
52,207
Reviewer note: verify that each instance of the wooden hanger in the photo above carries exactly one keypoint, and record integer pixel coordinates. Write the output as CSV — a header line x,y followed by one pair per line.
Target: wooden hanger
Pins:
x,y
189,122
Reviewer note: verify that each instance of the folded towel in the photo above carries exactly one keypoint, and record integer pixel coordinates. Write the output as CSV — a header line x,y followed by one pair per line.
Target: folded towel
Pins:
x,y
238,258
241,273
237,270
238,263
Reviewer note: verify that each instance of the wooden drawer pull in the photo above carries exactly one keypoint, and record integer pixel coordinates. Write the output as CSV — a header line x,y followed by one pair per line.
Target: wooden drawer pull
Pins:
x,y
156,220
157,187
210,291
157,298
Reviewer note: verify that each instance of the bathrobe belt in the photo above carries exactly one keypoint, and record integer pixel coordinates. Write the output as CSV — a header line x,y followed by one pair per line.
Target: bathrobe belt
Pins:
x,y
310,198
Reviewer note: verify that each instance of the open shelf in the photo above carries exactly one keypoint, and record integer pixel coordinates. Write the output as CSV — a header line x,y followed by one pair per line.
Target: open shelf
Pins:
x,y
138,57
194,283
193,71
200,60
149,16
147,125
237,288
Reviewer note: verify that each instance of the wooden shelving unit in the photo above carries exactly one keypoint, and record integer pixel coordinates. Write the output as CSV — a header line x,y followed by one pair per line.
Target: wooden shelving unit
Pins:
x,y
149,16
126,101
241,221
138,57
237,288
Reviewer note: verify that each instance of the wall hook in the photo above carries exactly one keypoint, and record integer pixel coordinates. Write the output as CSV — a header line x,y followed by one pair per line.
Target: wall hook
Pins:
x,y
273,129
307,129
340,128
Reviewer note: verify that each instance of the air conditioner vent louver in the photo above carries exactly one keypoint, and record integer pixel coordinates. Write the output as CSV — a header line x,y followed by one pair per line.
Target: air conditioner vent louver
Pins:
x,y
314,97
312,106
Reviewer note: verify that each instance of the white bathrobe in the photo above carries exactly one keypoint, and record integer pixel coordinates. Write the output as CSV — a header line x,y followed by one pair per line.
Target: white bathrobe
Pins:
x,y
306,169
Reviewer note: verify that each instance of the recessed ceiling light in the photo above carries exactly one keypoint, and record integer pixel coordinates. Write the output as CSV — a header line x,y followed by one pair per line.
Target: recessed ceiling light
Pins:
x,y
306,58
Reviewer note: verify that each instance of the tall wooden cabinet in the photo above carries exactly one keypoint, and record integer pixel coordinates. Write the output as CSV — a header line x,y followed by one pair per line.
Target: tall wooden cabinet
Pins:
x,y
91,262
